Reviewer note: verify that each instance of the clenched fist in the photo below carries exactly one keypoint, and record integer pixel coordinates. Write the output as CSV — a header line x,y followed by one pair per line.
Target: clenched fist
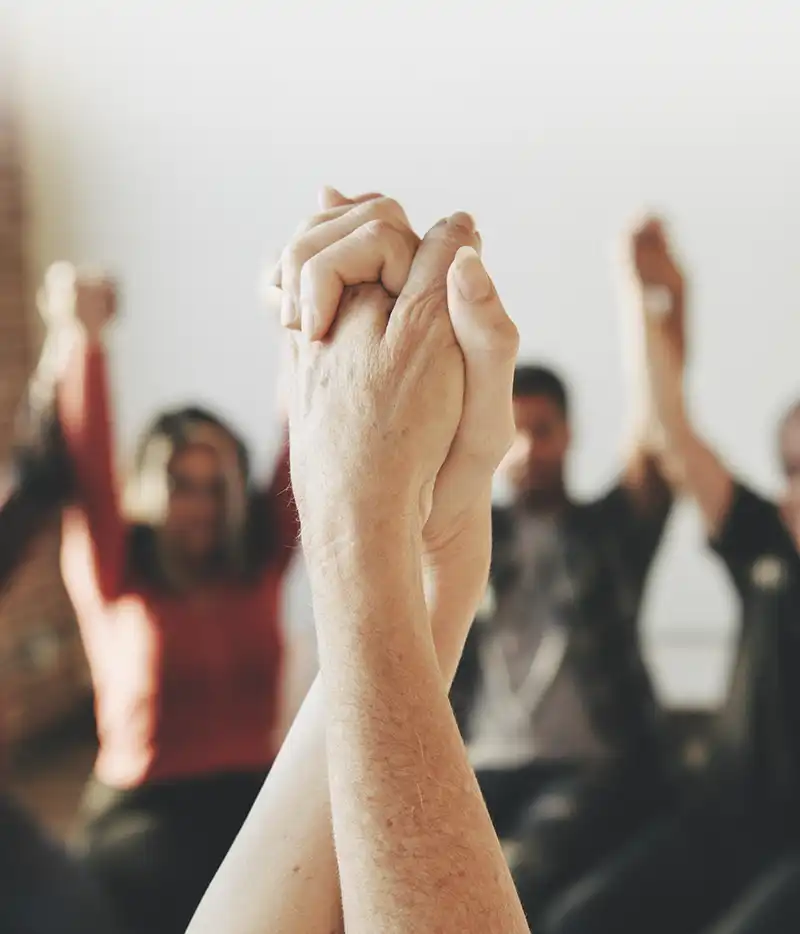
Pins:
x,y
660,280
69,297
427,361
376,405
95,303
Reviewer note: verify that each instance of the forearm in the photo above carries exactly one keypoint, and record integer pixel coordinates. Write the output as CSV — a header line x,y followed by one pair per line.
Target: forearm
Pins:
x,y
280,875
294,807
415,846
85,416
691,463
84,412
700,473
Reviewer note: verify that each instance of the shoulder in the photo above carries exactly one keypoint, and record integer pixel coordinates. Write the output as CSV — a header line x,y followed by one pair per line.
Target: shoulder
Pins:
x,y
753,525
605,510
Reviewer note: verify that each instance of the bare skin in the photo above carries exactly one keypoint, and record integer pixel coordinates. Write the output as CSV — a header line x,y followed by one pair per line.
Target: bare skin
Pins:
x,y
434,864
699,470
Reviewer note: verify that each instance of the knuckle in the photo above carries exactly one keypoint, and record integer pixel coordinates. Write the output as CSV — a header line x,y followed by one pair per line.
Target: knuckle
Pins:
x,y
429,304
509,338
502,339
388,209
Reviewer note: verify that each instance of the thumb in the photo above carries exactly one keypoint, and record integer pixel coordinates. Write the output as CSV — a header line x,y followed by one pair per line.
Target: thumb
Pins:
x,y
489,341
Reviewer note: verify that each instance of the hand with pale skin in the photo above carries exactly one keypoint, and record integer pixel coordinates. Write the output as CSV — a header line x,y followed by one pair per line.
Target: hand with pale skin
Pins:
x,y
455,532
289,834
655,267
74,306
375,418
659,320
69,295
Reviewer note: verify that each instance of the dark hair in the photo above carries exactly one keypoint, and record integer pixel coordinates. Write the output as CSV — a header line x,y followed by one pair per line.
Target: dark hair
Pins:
x,y
258,539
173,425
531,380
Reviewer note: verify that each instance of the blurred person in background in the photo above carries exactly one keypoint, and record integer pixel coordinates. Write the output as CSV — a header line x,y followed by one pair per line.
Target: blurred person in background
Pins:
x,y
42,889
743,814
557,705
177,595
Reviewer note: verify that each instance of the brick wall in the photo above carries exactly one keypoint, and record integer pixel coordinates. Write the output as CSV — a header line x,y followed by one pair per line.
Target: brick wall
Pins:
x,y
42,667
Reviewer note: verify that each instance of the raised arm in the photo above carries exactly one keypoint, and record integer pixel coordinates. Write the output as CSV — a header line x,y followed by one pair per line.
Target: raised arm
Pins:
x,y
85,418
41,479
660,296
644,480
303,892
415,847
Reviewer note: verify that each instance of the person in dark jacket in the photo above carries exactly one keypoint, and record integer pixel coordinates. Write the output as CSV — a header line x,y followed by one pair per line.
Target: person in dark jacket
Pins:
x,y
741,818
555,700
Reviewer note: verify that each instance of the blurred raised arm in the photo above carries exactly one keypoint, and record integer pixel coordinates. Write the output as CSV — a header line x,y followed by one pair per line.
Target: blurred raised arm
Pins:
x,y
660,295
84,410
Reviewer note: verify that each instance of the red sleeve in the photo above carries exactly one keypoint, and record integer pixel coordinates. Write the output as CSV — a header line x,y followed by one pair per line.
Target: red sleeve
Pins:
x,y
84,412
278,507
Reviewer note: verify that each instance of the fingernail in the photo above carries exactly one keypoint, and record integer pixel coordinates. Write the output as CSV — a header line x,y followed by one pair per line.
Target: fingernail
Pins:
x,y
472,279
463,220
289,315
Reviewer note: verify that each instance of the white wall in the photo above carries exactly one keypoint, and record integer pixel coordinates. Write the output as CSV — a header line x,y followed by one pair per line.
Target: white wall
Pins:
x,y
180,141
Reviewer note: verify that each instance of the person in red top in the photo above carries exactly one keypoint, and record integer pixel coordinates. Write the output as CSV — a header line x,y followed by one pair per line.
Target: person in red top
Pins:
x,y
43,890
178,602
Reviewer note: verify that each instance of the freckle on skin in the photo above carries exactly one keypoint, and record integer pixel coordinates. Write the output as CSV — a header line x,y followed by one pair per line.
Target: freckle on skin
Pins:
x,y
295,869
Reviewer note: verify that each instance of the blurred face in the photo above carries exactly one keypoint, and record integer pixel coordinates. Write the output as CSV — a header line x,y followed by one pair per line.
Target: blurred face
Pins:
x,y
790,455
535,463
196,512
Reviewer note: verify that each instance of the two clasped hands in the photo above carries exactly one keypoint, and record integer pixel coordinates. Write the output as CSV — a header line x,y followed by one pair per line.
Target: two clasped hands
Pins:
x,y
402,361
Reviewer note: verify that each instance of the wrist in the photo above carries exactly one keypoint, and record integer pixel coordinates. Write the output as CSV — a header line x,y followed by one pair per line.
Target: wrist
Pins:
x,y
366,585
343,508
353,538
93,338
456,575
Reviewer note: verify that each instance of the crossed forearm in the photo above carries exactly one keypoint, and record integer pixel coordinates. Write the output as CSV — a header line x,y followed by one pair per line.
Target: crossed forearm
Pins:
x,y
694,465
285,849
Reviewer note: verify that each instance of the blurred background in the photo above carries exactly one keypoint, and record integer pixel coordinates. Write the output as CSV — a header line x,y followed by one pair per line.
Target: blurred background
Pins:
x,y
178,143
